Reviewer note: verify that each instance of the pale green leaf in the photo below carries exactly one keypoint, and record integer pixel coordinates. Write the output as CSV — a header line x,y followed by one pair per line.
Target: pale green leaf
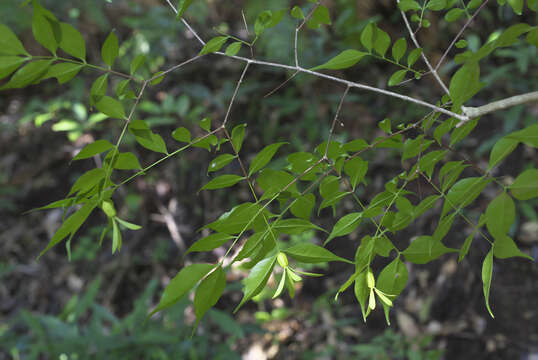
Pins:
x,y
213,45
487,272
95,148
310,253
256,280
110,107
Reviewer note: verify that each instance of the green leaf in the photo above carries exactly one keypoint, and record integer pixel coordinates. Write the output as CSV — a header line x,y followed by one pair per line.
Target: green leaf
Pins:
x,y
156,78
182,6
126,161
263,157
454,14
182,134
63,72
449,173
116,237
233,48
146,138
294,226
356,169
382,42
398,49
241,218
256,280
464,192
413,147
385,126
461,44
87,181
182,283
321,15
428,161
312,254
137,62
110,49
528,136
346,225
464,84
10,43
487,272
406,5
525,186
262,22
413,56
361,292
367,36
213,45
436,5
90,150
502,148
392,280
397,77
8,64
275,181
98,89
28,74
222,181
424,249
45,27
500,214
238,135
303,205
128,225
111,107
209,243
297,13
504,247
345,59
72,42
208,293
220,161
205,124
517,6
461,133
71,225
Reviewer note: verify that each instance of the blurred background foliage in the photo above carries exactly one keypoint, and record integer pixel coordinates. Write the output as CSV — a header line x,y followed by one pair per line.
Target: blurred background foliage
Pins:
x,y
94,306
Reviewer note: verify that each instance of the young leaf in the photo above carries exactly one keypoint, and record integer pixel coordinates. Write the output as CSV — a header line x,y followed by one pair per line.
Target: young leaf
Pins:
x,y
238,135
487,272
182,6
222,181
398,49
213,45
111,107
128,225
116,236
182,134
110,49
500,214
256,280
220,161
71,225
182,283
345,59
10,43
209,243
525,186
90,150
208,293
263,157
72,42
346,225
312,254
425,249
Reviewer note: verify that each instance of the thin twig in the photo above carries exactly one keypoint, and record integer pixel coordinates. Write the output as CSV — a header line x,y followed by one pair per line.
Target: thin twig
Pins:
x,y
335,120
459,34
235,94
187,24
281,85
428,64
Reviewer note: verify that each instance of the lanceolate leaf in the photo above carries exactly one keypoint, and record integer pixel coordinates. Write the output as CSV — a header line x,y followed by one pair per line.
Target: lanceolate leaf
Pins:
x,y
209,243
222,181
209,292
72,42
528,136
28,74
294,226
425,249
525,186
500,214
182,6
312,254
9,43
504,247
345,225
345,59
71,225
263,157
111,107
10,63
501,149
256,280
182,283
238,135
63,72
463,193
46,28
110,49
487,272
95,148
220,161
146,138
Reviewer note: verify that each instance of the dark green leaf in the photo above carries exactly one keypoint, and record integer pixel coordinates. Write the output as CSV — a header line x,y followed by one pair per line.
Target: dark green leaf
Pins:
x,y
220,161
525,186
110,49
345,59
465,83
222,181
312,254
10,43
209,292
72,42
425,249
110,107
461,133
8,64
97,147
182,283
263,157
